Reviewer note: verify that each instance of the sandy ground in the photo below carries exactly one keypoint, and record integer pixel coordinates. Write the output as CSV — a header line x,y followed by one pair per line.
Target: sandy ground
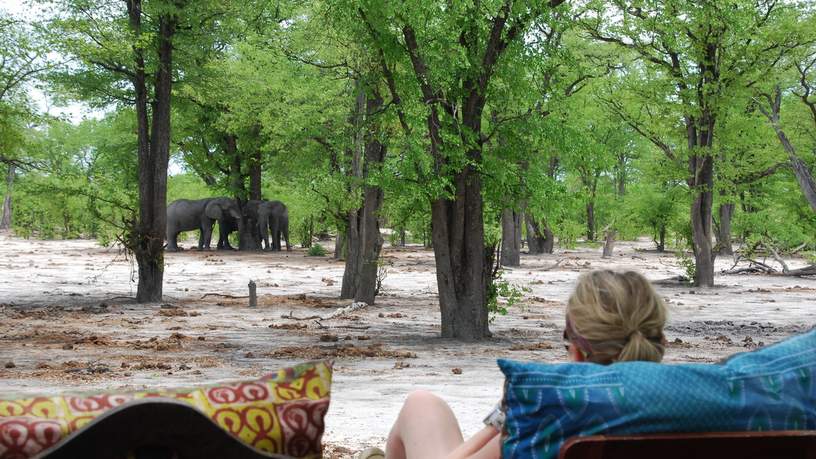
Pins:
x,y
67,323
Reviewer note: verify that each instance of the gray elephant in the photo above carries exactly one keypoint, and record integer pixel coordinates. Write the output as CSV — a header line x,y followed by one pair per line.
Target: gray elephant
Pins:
x,y
271,217
200,214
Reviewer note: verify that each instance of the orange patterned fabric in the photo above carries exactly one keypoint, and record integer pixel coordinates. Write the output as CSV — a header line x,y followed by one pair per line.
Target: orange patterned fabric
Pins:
x,y
281,412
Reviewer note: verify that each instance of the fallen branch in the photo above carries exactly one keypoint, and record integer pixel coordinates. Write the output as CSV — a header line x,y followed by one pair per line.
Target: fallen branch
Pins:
x,y
754,267
674,280
558,262
333,315
798,249
223,295
779,259
800,272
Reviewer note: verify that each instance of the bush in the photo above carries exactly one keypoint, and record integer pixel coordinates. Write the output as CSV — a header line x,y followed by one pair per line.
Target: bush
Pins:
x,y
316,250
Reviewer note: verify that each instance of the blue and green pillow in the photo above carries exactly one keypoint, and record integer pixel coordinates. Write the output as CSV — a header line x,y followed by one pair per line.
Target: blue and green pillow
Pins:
x,y
773,388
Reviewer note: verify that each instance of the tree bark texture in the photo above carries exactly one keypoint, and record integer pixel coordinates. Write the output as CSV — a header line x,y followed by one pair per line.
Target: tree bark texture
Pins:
x,y
236,177
365,241
701,181
803,175
540,238
590,218
5,219
724,244
255,175
352,234
147,238
511,237
609,242
661,238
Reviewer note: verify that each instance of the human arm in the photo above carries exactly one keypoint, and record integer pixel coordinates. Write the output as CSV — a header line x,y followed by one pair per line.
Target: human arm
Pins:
x,y
485,444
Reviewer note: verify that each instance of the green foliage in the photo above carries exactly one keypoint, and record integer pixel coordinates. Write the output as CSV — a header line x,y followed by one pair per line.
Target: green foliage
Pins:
x,y
687,263
503,295
316,250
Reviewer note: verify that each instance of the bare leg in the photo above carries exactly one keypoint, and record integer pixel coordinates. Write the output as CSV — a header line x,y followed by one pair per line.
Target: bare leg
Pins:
x,y
425,429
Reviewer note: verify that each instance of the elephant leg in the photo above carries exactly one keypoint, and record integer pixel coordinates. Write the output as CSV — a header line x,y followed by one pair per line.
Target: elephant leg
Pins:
x,y
201,238
263,230
172,240
206,235
275,230
286,238
223,236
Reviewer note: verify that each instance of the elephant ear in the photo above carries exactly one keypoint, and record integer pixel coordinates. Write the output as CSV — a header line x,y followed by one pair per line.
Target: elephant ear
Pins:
x,y
213,210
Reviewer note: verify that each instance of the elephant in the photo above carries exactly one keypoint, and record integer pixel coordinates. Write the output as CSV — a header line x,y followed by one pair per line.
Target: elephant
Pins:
x,y
271,217
200,214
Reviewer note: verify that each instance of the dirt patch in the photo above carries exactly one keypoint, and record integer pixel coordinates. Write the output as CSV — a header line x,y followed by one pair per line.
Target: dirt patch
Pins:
x,y
345,351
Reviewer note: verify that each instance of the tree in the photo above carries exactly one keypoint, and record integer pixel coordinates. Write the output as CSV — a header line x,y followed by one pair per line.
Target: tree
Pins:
x,y
453,94
22,57
124,54
703,51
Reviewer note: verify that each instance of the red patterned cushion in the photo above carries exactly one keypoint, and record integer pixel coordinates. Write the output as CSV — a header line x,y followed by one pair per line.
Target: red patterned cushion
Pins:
x,y
281,412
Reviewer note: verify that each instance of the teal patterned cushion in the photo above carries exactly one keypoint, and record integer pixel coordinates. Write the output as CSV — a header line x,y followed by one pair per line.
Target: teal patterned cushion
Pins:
x,y
773,388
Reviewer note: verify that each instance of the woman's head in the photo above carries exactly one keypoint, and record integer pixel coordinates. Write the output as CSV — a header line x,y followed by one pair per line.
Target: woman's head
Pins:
x,y
616,316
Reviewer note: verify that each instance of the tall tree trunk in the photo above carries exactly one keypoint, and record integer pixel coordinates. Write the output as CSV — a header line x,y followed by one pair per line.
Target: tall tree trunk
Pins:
x,y
340,245
5,220
701,181
365,241
462,270
609,242
154,152
803,175
371,240
661,238
237,185
511,237
352,246
352,236
724,245
540,238
590,216
255,175
620,175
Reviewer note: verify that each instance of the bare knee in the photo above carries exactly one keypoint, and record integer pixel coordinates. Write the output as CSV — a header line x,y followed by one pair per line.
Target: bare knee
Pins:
x,y
423,400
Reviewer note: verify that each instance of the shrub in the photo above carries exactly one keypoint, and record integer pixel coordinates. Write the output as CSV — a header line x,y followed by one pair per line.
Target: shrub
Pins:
x,y
316,250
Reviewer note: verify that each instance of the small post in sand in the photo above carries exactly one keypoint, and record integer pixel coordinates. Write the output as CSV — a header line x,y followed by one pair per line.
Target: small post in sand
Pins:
x,y
253,297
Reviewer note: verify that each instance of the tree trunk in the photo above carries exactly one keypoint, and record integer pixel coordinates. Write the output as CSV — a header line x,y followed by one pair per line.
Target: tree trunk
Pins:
x,y
511,238
701,181
462,271
352,240
402,237
371,240
236,177
340,245
255,175
724,245
590,215
620,175
539,241
609,242
352,245
5,220
803,175
154,151
365,240
661,239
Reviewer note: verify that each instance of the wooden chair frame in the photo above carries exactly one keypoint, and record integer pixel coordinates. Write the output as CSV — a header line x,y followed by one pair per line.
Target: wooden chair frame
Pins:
x,y
705,445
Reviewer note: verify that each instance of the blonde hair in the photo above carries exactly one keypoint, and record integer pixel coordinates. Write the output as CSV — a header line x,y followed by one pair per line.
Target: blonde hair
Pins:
x,y
619,315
